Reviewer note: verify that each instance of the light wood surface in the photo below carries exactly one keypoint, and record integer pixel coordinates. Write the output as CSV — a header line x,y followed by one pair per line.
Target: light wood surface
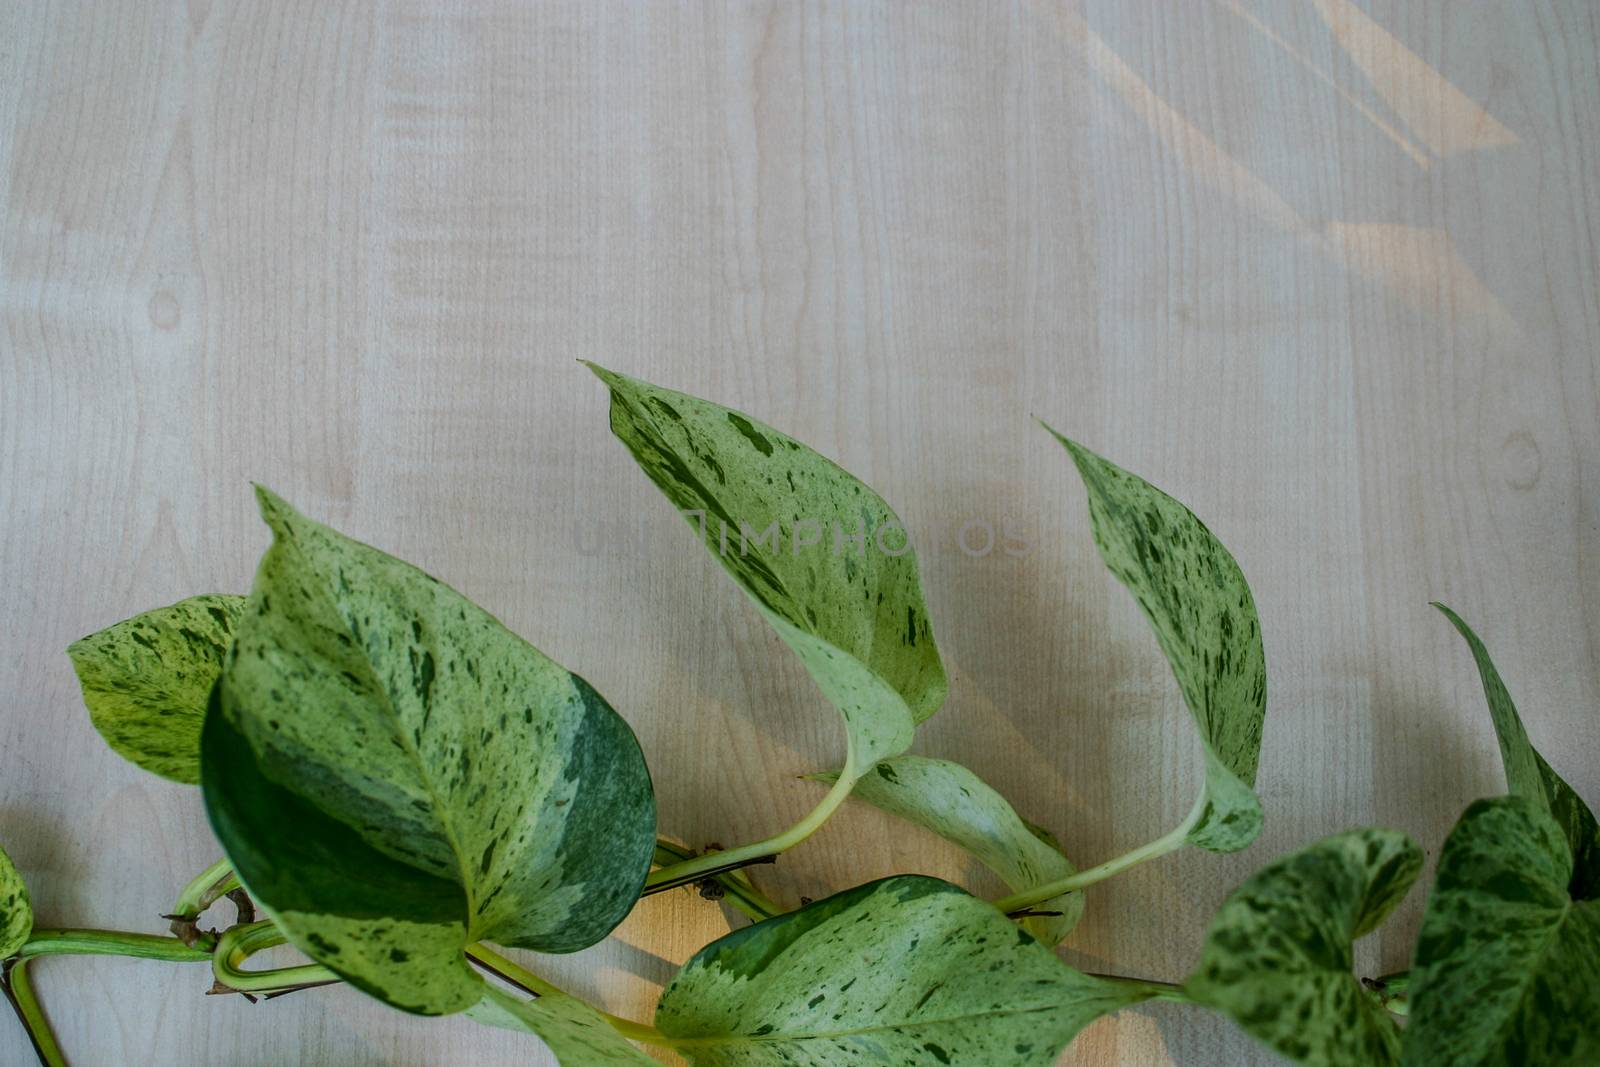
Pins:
x,y
1328,270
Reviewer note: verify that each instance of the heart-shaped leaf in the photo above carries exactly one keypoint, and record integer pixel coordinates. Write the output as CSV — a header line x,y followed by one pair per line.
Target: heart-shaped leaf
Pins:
x,y
908,970
575,1032
1200,607
956,804
785,523
395,775
147,679
1507,967
1277,959
1528,775
16,910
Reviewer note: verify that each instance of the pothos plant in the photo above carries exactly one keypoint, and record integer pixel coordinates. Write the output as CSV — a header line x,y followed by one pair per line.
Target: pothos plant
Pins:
x,y
398,783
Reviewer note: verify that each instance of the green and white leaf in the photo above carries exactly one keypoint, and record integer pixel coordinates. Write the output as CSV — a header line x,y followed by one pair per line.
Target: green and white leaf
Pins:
x,y
956,804
146,681
855,617
395,775
16,910
1277,959
908,970
573,1031
1200,607
1528,775
1507,967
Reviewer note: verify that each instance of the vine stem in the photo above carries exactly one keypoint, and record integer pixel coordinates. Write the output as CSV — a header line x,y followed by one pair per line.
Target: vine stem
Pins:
x,y
239,943
110,943
741,892
19,990
1157,990
1168,842
700,866
205,889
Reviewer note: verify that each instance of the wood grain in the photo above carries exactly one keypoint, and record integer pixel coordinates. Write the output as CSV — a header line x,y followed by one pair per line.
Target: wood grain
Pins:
x,y
1328,270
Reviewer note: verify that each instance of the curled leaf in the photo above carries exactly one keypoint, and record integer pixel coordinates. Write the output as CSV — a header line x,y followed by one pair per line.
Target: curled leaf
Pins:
x,y
395,775
146,681
1507,967
16,910
956,804
574,1032
1528,775
908,970
825,560
1204,617
1277,959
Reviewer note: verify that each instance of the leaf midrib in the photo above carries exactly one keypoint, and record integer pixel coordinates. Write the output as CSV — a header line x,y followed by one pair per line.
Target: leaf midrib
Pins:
x,y
775,1038
406,744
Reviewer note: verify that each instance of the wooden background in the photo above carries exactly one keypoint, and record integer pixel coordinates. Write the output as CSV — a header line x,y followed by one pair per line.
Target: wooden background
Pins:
x,y
1328,270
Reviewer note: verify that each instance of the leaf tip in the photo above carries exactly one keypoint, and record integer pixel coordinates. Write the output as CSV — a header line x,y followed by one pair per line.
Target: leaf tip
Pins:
x,y
274,509
1455,620
1081,456
610,377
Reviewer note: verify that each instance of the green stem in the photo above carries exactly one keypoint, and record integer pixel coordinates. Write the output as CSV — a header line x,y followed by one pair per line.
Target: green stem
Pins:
x,y
110,943
207,887
1392,991
513,972
239,943
19,990
742,894
694,869
1169,842
526,980
1157,990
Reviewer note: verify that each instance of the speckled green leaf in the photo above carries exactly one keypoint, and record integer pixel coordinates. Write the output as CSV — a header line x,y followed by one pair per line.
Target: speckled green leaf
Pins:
x,y
146,681
1205,620
1507,967
1528,775
956,804
574,1032
908,970
854,614
1277,959
16,910
394,774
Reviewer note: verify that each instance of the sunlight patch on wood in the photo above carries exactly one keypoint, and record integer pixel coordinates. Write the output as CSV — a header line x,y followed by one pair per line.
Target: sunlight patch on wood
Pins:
x,y
1442,116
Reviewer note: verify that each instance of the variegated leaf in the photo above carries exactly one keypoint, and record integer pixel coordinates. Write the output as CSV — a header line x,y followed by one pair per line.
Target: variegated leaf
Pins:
x,y
16,910
852,610
1204,617
1528,775
956,804
146,681
908,970
1507,967
1278,960
572,1030
395,775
